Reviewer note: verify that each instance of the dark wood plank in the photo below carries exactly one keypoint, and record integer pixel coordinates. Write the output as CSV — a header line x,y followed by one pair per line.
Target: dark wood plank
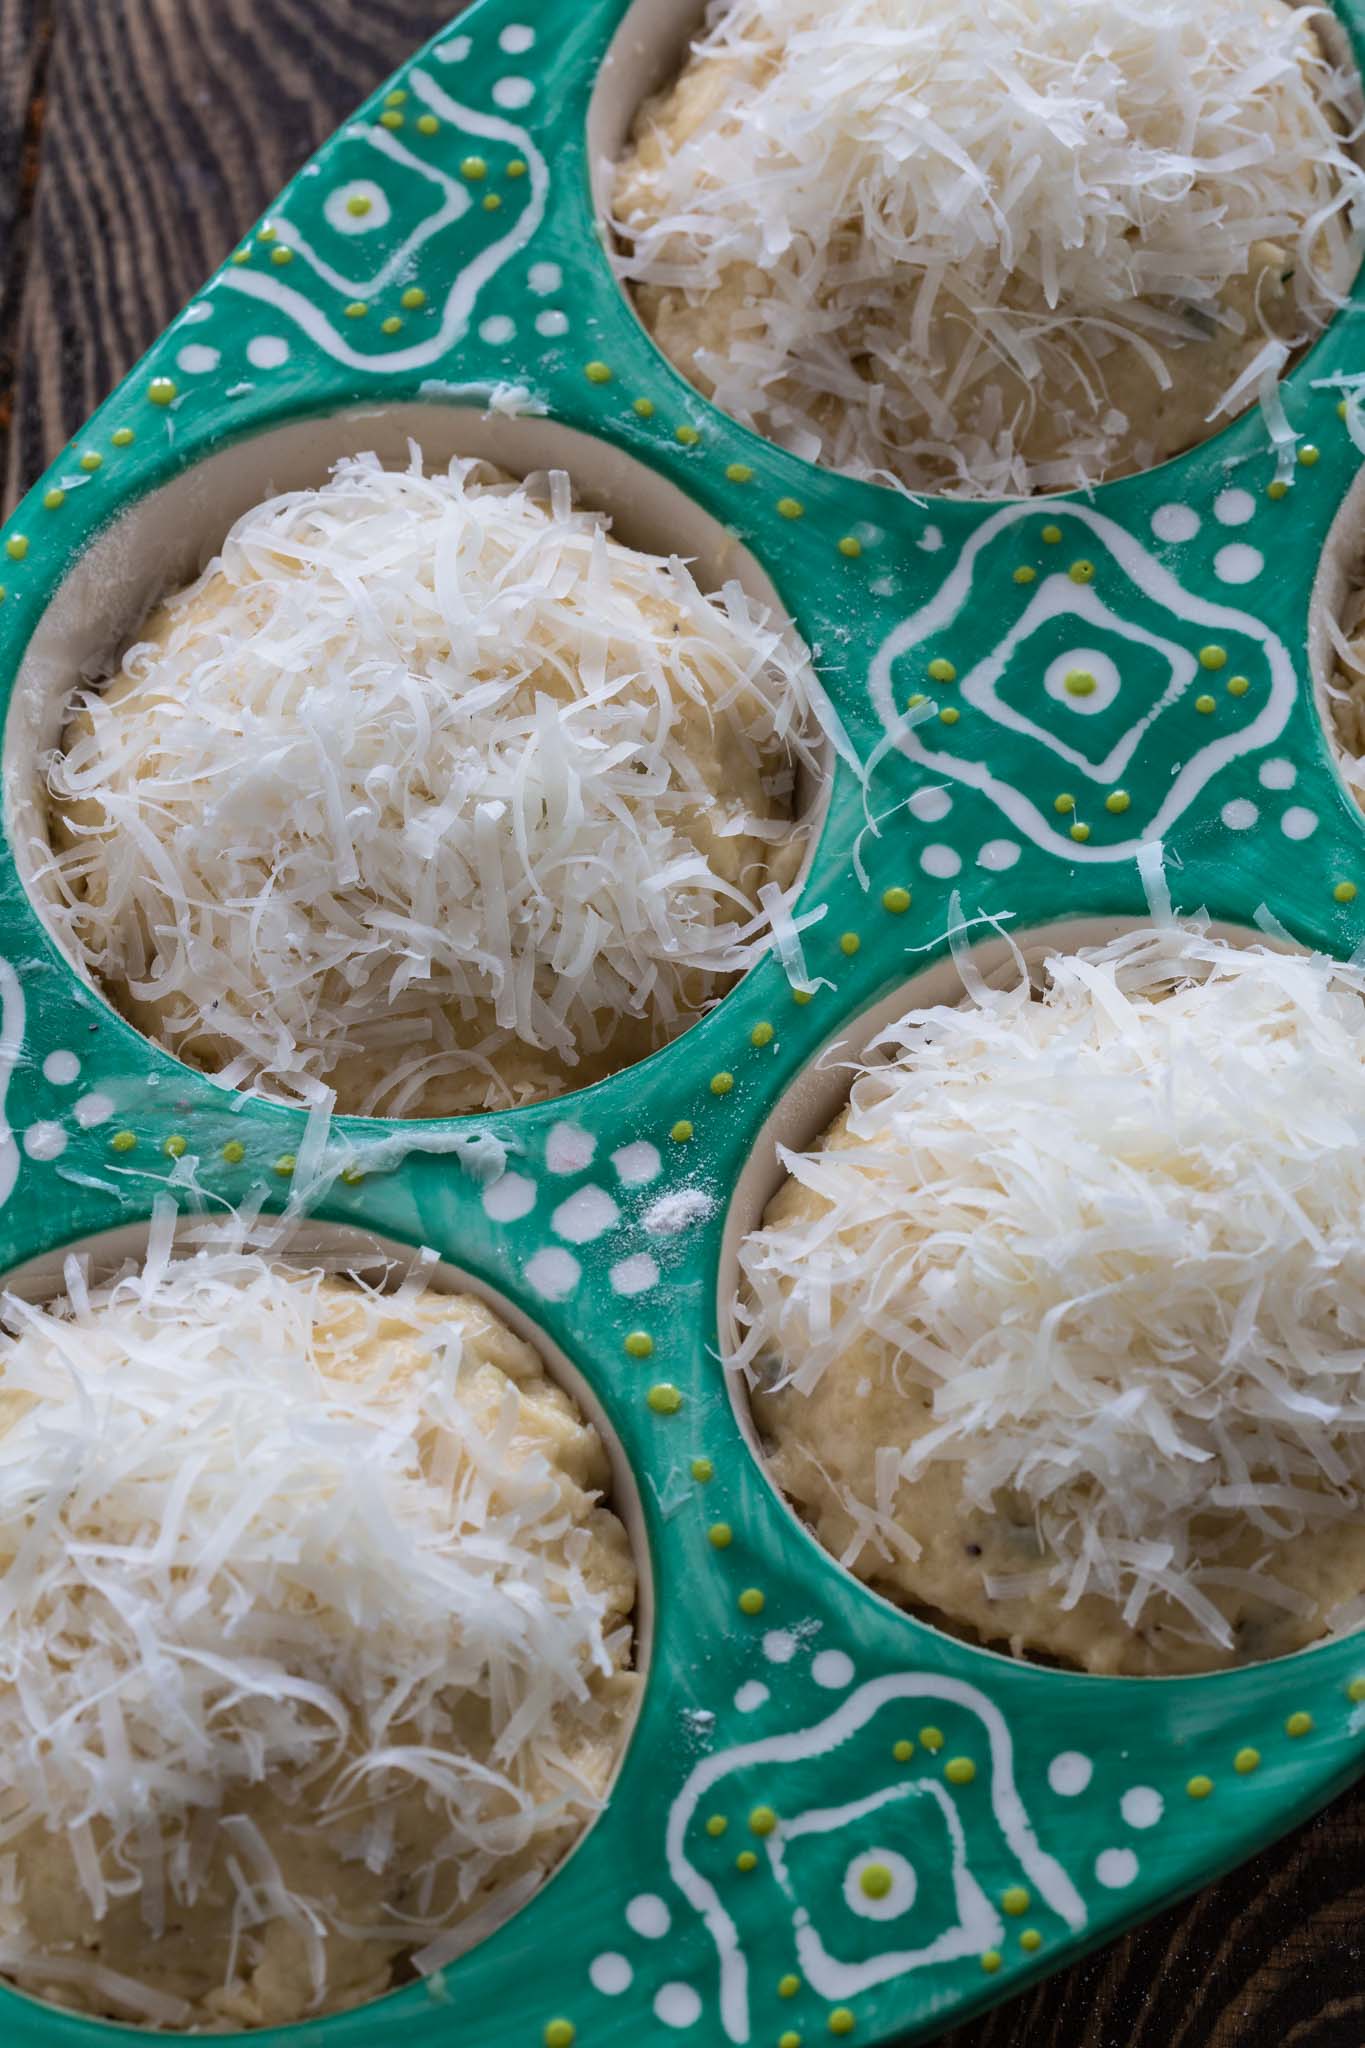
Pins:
x,y
25,39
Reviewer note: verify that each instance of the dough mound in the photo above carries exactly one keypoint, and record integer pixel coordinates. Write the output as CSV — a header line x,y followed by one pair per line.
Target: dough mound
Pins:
x,y
431,793
285,1769
988,249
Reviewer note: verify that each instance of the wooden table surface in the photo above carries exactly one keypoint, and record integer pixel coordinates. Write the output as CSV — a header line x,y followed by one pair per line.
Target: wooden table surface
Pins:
x,y
138,139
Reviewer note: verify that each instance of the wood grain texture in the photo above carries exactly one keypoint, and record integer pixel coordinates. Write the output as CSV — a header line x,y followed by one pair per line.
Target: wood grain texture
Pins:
x,y
155,132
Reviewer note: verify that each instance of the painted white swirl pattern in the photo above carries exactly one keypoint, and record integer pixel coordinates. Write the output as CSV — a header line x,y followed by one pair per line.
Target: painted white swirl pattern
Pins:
x,y
11,1043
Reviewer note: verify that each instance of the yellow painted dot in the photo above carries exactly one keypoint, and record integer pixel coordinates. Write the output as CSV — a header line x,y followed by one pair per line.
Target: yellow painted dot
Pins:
x,y
959,1770
413,297
1199,1787
739,473
789,2039
851,546
896,900
517,167
395,98
241,256
1052,534
392,325
788,1986
687,435
802,996
1117,801
950,715
1356,1690
266,233
234,1151
703,1470
1299,1724
681,1131
931,1739
722,1083
1064,804
644,407
359,204
841,2020
91,461
492,201
427,124
2,593
1246,1761
746,1860
991,1961
1080,833
1082,572
356,310
752,1601
1341,408
720,1535
1213,657
285,1165
1023,574
849,943
122,1141
918,698
16,547
1279,489
1015,1901
55,498
790,508
174,1147
279,257
390,120
716,1826
559,2034
1308,455
473,168
762,1034
1204,706
352,1176
1031,1940
664,1398
161,390
1078,682
1345,892
1238,685
597,373
903,1750
639,1344
941,671
123,437
875,1881
762,1821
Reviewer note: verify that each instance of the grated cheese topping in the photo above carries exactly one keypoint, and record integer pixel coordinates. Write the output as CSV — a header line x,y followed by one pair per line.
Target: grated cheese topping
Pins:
x,y
289,1570
1105,1251
430,792
991,247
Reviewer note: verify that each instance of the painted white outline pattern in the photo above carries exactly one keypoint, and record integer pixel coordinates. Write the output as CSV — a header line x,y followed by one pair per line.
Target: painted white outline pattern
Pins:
x,y
1044,1871
11,1043
978,688
458,309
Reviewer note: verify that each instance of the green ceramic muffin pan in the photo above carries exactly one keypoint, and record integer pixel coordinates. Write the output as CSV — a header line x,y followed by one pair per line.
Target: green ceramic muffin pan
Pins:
x,y
438,271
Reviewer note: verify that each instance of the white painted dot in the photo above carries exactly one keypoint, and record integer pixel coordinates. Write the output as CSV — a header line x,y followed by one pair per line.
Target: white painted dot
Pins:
x,y
1070,1773
1079,661
1175,522
638,1164
1240,815
750,1697
44,1141
779,1646
1299,822
568,1149
510,1196
455,51
497,328
61,1069
513,92
1142,1806
677,2005
544,278
516,38
551,324
267,351
610,1974
898,1899
1234,508
941,861
93,1109
1278,774
832,1669
196,358
357,208
1115,1868
648,1916
931,540
998,854
553,1274
585,1216
635,1275
195,315
929,805
1238,563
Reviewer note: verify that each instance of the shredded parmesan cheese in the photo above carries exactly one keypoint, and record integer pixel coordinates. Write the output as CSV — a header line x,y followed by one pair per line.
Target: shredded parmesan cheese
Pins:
x,y
313,1634
431,792
1001,247
1061,1333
